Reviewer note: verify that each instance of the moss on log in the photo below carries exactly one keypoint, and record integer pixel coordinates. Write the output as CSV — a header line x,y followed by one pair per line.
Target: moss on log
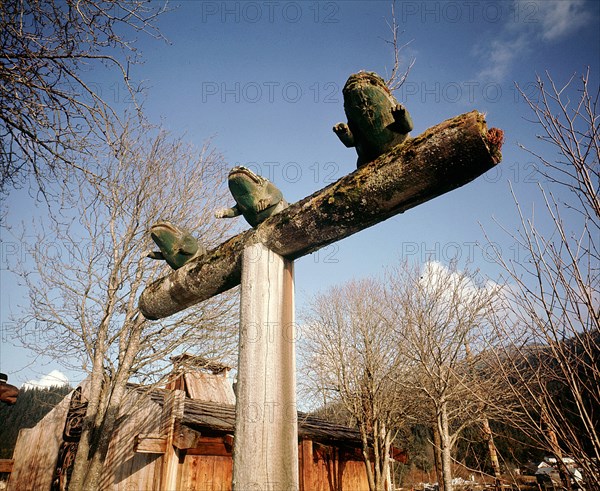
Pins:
x,y
443,158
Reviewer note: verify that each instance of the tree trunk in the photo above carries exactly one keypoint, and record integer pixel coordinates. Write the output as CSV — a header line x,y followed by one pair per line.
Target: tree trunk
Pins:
x,y
443,158
492,449
108,424
444,430
88,431
100,421
563,471
377,454
437,456
100,448
387,470
366,457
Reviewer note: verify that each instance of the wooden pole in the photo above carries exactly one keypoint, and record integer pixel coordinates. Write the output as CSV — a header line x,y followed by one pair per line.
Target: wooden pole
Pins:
x,y
443,158
265,452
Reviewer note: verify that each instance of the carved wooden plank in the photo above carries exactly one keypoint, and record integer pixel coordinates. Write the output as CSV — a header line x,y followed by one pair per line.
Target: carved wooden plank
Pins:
x,y
441,159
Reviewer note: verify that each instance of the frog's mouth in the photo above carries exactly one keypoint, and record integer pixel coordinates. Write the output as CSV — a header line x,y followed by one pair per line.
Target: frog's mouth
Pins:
x,y
163,226
241,172
159,229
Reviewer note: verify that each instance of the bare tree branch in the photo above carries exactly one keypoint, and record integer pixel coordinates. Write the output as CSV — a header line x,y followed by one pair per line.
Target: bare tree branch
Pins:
x,y
397,79
50,115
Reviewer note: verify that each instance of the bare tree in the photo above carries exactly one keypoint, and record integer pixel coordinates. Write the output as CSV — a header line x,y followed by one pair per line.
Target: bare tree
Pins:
x,y
439,315
88,266
550,354
397,79
50,111
351,359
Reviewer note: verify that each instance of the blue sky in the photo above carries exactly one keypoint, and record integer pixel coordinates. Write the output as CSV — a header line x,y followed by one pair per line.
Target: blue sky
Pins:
x,y
264,80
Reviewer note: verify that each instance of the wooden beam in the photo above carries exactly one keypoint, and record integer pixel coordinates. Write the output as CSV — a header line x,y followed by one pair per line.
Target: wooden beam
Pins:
x,y
306,471
186,438
228,440
211,445
150,443
441,159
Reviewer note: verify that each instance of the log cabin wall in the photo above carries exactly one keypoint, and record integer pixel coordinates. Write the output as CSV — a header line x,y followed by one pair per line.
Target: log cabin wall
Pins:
x,y
125,469
206,473
327,468
330,468
329,455
36,451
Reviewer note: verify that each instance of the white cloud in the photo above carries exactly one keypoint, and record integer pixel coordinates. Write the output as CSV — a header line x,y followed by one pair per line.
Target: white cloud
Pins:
x,y
500,55
550,21
53,379
439,278
561,18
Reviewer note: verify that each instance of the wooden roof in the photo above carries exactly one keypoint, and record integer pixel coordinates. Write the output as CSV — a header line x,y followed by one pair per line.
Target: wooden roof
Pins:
x,y
221,418
187,361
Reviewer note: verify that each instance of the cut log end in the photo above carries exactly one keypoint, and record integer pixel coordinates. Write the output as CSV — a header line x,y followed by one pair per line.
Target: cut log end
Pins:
x,y
495,139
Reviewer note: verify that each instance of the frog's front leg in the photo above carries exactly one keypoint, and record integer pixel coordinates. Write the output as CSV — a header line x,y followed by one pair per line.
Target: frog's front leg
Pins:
x,y
402,121
228,212
155,255
264,203
272,197
342,130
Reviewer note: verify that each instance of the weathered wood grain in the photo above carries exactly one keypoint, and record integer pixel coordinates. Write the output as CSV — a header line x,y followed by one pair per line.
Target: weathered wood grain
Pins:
x,y
36,451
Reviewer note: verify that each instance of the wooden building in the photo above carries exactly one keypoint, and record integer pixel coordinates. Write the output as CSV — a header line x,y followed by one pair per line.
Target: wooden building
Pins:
x,y
178,438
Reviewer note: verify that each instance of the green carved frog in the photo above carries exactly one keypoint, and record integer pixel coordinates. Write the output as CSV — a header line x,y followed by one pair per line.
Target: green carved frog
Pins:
x,y
177,247
256,198
376,121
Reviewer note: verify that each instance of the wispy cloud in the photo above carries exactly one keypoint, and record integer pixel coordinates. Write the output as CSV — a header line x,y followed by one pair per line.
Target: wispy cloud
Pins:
x,y
561,18
499,57
53,379
550,21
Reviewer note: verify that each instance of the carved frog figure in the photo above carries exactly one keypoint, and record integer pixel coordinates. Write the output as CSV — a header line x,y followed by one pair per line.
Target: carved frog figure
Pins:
x,y
376,121
256,198
177,246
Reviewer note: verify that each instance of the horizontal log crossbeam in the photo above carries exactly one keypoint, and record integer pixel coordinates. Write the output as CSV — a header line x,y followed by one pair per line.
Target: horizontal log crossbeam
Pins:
x,y
443,158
